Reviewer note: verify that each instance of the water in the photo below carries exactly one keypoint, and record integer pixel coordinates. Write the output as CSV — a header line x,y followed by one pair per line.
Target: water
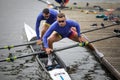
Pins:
x,y
83,65
13,15
109,1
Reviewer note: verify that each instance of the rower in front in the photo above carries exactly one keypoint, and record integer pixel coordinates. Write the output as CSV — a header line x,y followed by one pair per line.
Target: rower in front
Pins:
x,y
50,16
60,29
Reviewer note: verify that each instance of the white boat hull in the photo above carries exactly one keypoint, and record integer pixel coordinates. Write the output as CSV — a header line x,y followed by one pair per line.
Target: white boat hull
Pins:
x,y
30,33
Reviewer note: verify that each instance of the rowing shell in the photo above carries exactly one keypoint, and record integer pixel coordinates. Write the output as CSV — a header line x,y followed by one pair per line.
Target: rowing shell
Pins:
x,y
57,73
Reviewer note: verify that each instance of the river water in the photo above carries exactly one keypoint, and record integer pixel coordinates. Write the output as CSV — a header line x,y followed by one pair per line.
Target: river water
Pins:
x,y
13,15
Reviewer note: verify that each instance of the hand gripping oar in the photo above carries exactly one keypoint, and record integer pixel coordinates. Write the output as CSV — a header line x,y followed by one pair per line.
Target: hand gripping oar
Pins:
x,y
24,44
55,50
100,28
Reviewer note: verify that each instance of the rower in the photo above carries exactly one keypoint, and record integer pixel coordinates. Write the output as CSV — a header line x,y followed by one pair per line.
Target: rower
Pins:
x,y
50,16
62,28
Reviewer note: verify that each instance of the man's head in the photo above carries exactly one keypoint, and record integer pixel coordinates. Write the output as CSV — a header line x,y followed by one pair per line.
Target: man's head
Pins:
x,y
46,13
61,19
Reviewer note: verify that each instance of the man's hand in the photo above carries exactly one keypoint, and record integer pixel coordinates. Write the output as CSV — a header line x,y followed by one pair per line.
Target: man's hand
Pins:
x,y
83,42
81,39
48,50
39,42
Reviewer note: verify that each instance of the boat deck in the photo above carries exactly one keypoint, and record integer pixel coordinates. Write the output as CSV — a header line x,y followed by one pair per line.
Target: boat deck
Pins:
x,y
110,48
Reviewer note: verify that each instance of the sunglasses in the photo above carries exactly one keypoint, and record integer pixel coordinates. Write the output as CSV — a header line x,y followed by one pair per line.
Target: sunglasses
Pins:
x,y
61,21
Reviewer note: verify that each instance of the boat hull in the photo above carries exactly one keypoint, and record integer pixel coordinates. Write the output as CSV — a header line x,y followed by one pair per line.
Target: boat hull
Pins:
x,y
58,73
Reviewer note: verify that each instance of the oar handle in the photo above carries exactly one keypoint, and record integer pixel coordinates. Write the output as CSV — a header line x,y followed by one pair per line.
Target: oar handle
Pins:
x,y
28,43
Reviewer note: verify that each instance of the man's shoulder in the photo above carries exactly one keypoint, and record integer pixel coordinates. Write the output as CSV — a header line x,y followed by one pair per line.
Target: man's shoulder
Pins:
x,y
70,20
53,11
40,14
55,23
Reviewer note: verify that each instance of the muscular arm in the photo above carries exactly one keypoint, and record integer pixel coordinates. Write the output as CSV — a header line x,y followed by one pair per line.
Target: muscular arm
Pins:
x,y
79,34
77,26
39,18
47,34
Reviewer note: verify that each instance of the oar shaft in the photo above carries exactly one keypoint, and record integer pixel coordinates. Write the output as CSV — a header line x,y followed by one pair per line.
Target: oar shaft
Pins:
x,y
55,50
36,53
29,43
99,28
78,44
9,59
104,38
67,47
12,46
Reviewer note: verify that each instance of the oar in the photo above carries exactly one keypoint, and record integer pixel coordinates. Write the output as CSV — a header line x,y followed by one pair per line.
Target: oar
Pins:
x,y
24,44
99,28
32,42
55,50
14,57
86,43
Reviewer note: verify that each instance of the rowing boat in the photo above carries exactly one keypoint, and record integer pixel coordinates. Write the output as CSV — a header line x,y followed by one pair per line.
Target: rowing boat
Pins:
x,y
56,73
61,73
